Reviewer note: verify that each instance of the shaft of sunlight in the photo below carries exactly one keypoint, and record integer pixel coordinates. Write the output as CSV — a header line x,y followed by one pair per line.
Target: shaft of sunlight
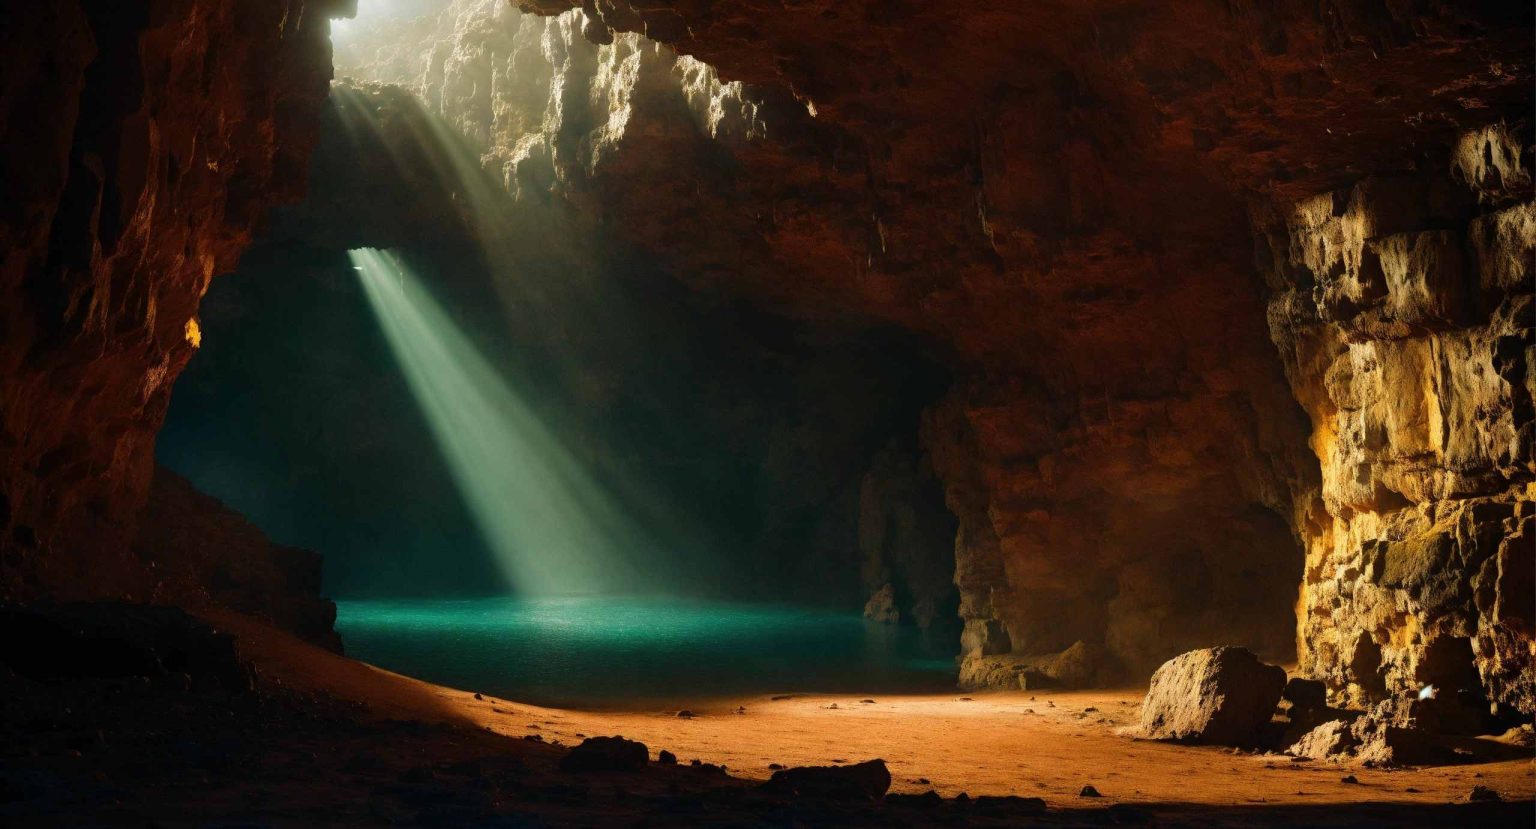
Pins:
x,y
552,527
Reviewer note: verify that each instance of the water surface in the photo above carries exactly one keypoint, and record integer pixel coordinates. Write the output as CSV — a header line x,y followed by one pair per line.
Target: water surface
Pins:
x,y
618,651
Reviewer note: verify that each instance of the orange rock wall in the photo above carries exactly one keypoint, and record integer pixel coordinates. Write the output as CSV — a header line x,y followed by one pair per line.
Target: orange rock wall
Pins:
x,y
142,143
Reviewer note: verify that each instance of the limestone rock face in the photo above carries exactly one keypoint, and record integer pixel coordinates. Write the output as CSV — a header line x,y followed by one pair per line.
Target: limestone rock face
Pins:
x,y
1403,310
142,144
1220,696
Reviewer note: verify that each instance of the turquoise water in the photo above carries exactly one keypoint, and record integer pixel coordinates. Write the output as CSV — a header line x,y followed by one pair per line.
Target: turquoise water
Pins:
x,y
617,651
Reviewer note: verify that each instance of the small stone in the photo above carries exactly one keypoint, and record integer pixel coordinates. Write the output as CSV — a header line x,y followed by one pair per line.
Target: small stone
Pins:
x,y
1351,779
479,696
1089,791
685,714
666,758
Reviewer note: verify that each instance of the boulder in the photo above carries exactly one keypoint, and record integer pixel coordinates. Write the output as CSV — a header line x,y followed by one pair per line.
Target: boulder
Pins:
x,y
1330,741
1218,696
600,754
867,781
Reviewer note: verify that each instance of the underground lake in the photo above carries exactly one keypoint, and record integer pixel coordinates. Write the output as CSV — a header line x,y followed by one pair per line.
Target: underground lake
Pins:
x,y
603,651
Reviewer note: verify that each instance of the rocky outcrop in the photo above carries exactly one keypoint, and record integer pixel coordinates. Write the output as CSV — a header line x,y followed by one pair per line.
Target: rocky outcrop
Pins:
x,y
199,551
1080,666
142,144
1216,696
1403,309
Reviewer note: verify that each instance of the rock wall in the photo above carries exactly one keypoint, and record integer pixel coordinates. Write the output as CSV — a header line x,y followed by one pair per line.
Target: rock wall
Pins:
x,y
1057,195
201,551
142,143
1403,309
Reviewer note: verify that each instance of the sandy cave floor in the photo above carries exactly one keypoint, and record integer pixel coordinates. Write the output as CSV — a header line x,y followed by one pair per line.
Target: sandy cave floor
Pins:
x,y
1046,745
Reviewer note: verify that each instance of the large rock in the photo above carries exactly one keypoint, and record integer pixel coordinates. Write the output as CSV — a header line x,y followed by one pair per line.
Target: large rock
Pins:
x,y
868,780
1332,740
1221,696
600,754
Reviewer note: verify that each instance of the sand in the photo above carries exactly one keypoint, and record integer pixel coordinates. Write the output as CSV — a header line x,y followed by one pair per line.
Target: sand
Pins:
x,y
1046,745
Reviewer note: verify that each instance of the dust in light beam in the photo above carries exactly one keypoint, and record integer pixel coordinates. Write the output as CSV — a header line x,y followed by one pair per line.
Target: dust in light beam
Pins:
x,y
553,528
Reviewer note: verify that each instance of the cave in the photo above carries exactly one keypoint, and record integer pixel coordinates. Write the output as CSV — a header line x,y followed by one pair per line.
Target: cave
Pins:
x,y
405,398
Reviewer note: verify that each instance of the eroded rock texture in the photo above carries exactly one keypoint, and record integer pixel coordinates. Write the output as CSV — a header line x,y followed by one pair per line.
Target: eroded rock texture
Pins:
x,y
1403,310
1216,696
1057,196
142,143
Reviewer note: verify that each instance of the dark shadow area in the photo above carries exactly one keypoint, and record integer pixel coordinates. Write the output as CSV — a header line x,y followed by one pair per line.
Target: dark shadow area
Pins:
x,y
175,726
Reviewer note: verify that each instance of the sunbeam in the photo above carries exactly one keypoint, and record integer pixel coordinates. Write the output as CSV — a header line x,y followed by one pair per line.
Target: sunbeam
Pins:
x,y
553,528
